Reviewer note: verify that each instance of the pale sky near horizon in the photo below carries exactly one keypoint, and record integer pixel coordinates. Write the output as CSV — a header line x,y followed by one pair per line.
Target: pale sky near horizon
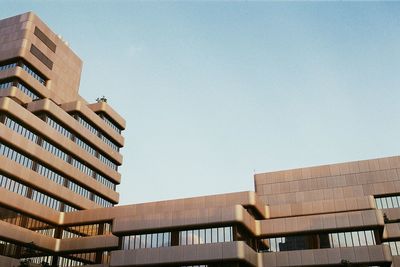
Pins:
x,y
215,91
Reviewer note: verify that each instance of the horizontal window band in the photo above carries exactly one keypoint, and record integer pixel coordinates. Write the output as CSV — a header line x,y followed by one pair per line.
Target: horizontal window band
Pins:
x,y
46,40
41,56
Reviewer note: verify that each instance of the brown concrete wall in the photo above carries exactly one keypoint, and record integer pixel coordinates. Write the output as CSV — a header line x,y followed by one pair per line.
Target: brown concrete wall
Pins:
x,y
185,255
322,207
92,117
18,36
336,181
322,223
107,109
223,200
46,105
379,254
7,261
37,125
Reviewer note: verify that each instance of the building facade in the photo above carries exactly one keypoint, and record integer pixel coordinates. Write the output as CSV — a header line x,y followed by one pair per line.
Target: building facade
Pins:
x,y
59,158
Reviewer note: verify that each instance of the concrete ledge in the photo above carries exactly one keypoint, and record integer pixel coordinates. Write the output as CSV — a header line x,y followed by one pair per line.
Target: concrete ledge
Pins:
x,y
49,133
45,185
38,153
325,222
90,243
391,232
107,109
10,262
28,206
16,94
185,255
199,218
195,203
26,236
371,255
322,207
92,117
48,106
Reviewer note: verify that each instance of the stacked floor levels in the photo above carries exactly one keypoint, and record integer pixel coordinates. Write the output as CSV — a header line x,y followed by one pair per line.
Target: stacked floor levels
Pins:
x,y
59,159
57,152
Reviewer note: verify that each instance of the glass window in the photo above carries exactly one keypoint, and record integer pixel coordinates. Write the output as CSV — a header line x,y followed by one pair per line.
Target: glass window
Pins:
x,y
389,202
221,234
342,240
208,236
183,238
356,240
214,235
228,234
361,236
272,243
160,239
202,237
370,238
393,248
349,241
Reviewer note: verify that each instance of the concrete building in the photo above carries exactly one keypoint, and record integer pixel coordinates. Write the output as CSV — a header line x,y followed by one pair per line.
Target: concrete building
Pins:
x,y
59,158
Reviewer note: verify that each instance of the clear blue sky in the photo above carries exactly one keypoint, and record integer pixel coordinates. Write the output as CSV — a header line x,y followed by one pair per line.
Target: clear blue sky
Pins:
x,y
212,91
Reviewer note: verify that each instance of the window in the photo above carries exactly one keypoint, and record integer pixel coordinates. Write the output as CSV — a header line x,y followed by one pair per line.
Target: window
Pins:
x,y
17,127
387,202
92,129
336,240
186,237
110,123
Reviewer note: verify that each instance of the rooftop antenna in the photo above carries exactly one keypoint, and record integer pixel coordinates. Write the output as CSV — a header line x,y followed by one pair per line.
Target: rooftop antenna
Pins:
x,y
101,99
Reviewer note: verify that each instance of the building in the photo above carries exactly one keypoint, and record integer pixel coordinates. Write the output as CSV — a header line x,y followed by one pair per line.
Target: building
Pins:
x,y
57,152
59,158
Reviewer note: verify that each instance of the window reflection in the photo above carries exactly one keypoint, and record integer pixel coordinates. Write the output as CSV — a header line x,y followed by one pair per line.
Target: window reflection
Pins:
x,y
394,247
329,240
52,175
185,237
388,202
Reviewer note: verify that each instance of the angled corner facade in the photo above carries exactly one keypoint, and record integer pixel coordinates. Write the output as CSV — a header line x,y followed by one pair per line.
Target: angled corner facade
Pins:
x,y
58,153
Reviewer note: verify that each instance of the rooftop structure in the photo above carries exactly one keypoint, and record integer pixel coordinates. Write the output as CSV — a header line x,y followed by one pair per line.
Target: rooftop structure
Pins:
x,y
59,158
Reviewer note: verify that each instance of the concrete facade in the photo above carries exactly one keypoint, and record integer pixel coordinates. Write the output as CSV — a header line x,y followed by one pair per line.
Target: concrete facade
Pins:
x,y
59,158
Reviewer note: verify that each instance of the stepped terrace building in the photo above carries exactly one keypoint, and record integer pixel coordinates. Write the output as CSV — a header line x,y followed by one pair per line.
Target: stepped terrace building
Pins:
x,y
59,158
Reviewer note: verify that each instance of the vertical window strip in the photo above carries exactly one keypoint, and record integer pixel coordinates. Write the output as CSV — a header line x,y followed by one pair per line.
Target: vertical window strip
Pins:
x,y
27,222
96,132
8,66
102,201
26,68
154,240
109,143
87,125
16,127
40,260
66,262
34,74
110,123
36,196
82,144
20,251
87,230
186,237
5,85
12,124
388,202
46,172
58,127
394,247
15,156
105,181
29,92
336,240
